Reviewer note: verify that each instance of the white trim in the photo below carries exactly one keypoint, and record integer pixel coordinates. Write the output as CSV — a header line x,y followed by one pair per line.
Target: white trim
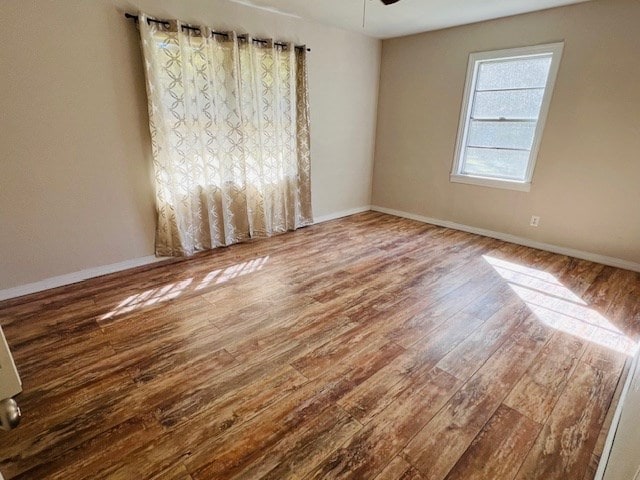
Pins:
x,y
343,213
507,237
615,422
491,182
75,277
10,383
555,49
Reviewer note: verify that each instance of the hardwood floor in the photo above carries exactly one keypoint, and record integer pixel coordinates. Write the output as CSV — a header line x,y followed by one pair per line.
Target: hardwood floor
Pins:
x,y
370,347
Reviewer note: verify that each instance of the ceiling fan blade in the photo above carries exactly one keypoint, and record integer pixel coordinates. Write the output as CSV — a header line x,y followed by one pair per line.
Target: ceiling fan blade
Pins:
x,y
389,2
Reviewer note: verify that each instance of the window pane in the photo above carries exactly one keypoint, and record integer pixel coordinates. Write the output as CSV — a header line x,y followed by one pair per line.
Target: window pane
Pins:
x,y
505,164
501,134
517,73
508,104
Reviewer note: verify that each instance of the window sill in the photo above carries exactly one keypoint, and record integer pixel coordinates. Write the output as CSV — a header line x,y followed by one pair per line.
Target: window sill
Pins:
x,y
491,182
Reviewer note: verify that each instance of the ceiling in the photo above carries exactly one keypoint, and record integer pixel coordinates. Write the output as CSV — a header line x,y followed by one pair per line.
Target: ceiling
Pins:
x,y
403,18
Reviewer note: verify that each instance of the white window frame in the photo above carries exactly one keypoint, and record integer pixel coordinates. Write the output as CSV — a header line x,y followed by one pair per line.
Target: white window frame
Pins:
x,y
475,59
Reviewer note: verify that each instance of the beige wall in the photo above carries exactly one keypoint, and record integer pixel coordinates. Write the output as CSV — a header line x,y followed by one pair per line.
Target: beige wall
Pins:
x,y
75,174
586,187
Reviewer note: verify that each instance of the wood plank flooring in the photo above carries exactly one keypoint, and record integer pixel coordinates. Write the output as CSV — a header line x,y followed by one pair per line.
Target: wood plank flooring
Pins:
x,y
370,347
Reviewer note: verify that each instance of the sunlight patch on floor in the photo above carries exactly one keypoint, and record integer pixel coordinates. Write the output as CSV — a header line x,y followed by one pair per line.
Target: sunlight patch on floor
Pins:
x,y
173,290
224,275
559,307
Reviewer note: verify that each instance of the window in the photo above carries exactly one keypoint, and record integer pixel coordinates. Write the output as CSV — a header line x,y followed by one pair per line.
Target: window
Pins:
x,y
506,99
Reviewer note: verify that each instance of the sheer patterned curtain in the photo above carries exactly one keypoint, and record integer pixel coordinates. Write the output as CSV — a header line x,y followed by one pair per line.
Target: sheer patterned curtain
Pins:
x,y
230,137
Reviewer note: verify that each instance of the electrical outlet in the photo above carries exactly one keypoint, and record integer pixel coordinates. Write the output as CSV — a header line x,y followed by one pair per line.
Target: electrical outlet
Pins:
x,y
535,221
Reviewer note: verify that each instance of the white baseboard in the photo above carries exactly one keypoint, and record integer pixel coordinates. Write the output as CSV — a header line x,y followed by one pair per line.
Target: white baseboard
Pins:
x,y
343,213
75,277
507,237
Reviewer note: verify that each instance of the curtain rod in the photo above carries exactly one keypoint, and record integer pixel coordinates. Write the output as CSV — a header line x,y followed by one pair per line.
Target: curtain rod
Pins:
x,y
222,34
